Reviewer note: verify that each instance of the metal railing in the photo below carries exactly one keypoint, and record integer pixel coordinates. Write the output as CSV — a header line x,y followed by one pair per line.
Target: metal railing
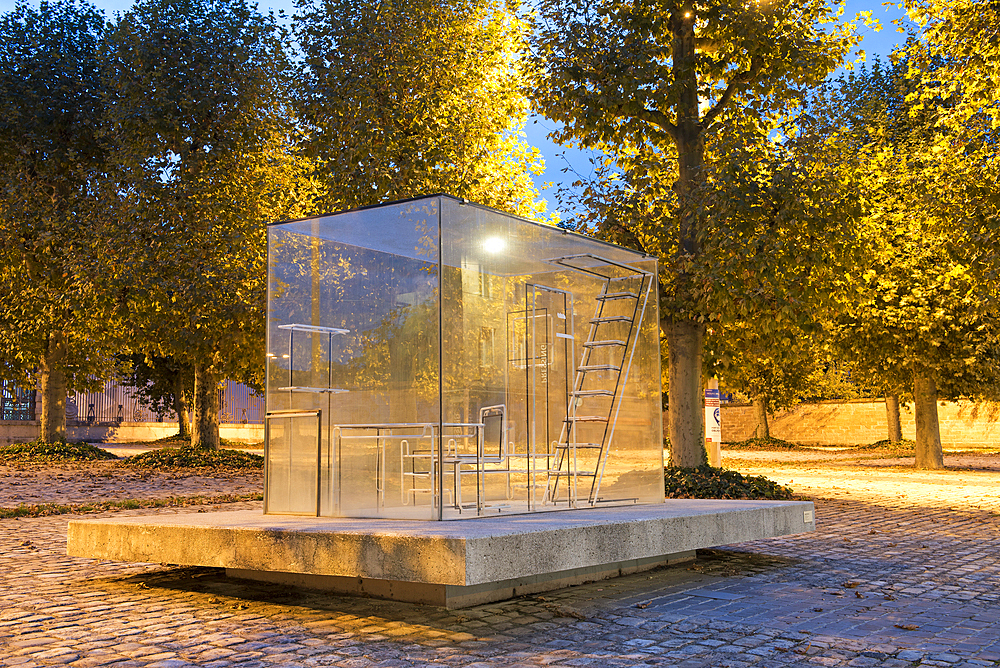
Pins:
x,y
115,404
16,404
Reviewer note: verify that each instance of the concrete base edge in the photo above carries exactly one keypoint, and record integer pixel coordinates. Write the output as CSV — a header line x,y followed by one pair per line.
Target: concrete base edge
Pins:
x,y
458,596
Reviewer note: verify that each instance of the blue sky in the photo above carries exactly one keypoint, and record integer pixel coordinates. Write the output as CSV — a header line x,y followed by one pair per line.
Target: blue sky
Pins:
x,y
557,158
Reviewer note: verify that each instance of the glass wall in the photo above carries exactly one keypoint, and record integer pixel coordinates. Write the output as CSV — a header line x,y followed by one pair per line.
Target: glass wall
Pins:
x,y
457,362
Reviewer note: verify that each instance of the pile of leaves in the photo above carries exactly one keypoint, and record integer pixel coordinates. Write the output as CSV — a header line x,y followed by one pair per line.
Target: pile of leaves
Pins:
x,y
188,457
769,443
175,439
60,451
903,446
708,482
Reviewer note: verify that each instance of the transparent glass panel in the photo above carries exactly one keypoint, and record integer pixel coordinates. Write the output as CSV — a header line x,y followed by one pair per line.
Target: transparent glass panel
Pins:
x,y
353,331
550,339
292,446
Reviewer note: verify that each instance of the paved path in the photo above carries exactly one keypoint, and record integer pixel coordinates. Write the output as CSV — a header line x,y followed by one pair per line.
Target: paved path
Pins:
x,y
969,483
878,584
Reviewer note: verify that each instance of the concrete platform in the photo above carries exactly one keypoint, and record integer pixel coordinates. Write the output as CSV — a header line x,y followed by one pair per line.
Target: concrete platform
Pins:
x,y
452,564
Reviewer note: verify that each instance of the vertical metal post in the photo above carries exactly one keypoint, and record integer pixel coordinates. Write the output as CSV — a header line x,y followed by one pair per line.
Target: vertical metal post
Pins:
x,y
440,305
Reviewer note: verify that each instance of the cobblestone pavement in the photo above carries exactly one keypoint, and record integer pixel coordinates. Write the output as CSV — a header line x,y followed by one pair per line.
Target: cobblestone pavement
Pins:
x,y
83,482
886,584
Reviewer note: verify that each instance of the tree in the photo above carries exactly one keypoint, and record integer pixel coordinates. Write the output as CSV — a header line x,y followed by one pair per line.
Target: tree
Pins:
x,y
773,369
162,384
57,323
784,237
206,159
660,80
409,98
920,319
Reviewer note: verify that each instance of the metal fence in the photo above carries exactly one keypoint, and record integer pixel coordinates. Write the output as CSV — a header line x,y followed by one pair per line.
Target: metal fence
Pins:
x,y
15,403
114,404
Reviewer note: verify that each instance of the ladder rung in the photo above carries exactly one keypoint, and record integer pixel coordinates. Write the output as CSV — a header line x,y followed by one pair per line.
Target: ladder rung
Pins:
x,y
586,418
599,367
611,318
591,446
603,344
586,474
594,393
607,296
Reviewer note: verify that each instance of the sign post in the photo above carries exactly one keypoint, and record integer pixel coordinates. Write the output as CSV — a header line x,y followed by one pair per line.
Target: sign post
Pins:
x,y
713,423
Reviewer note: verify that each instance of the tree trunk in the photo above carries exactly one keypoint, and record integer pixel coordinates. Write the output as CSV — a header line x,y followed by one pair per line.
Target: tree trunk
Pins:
x,y
762,430
892,418
181,406
929,454
686,403
686,337
52,383
205,430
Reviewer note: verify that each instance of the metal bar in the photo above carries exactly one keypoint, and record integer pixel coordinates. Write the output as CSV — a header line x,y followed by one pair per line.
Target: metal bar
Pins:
x,y
315,329
302,388
440,307
319,461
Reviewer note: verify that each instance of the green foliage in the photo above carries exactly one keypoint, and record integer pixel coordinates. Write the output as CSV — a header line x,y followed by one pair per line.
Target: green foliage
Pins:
x,y
707,482
206,156
768,444
54,225
919,304
39,451
413,97
957,56
49,509
189,457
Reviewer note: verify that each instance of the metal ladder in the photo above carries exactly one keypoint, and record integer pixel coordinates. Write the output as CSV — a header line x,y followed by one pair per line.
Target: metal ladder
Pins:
x,y
631,291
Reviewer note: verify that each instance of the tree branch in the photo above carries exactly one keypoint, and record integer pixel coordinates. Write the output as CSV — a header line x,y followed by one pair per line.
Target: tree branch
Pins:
x,y
660,120
736,84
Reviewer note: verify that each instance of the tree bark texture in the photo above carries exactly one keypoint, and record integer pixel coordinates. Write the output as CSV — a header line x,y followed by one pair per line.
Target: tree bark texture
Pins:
x,y
892,418
686,337
52,383
181,407
687,408
762,430
205,430
929,454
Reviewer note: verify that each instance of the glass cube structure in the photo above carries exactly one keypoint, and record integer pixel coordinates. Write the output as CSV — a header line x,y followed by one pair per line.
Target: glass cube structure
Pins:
x,y
436,359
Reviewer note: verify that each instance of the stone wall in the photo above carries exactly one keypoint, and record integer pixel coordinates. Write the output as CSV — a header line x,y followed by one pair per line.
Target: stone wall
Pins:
x,y
963,424
22,432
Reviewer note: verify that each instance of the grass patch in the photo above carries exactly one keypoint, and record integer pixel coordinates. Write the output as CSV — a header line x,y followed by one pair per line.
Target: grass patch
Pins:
x,y
188,457
707,482
47,509
39,451
769,443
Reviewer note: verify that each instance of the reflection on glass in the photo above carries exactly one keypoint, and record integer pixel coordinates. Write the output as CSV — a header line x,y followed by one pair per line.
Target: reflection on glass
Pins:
x,y
454,362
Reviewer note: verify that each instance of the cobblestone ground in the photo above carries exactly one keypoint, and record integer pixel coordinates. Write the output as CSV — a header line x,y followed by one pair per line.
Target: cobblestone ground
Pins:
x,y
890,583
84,482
